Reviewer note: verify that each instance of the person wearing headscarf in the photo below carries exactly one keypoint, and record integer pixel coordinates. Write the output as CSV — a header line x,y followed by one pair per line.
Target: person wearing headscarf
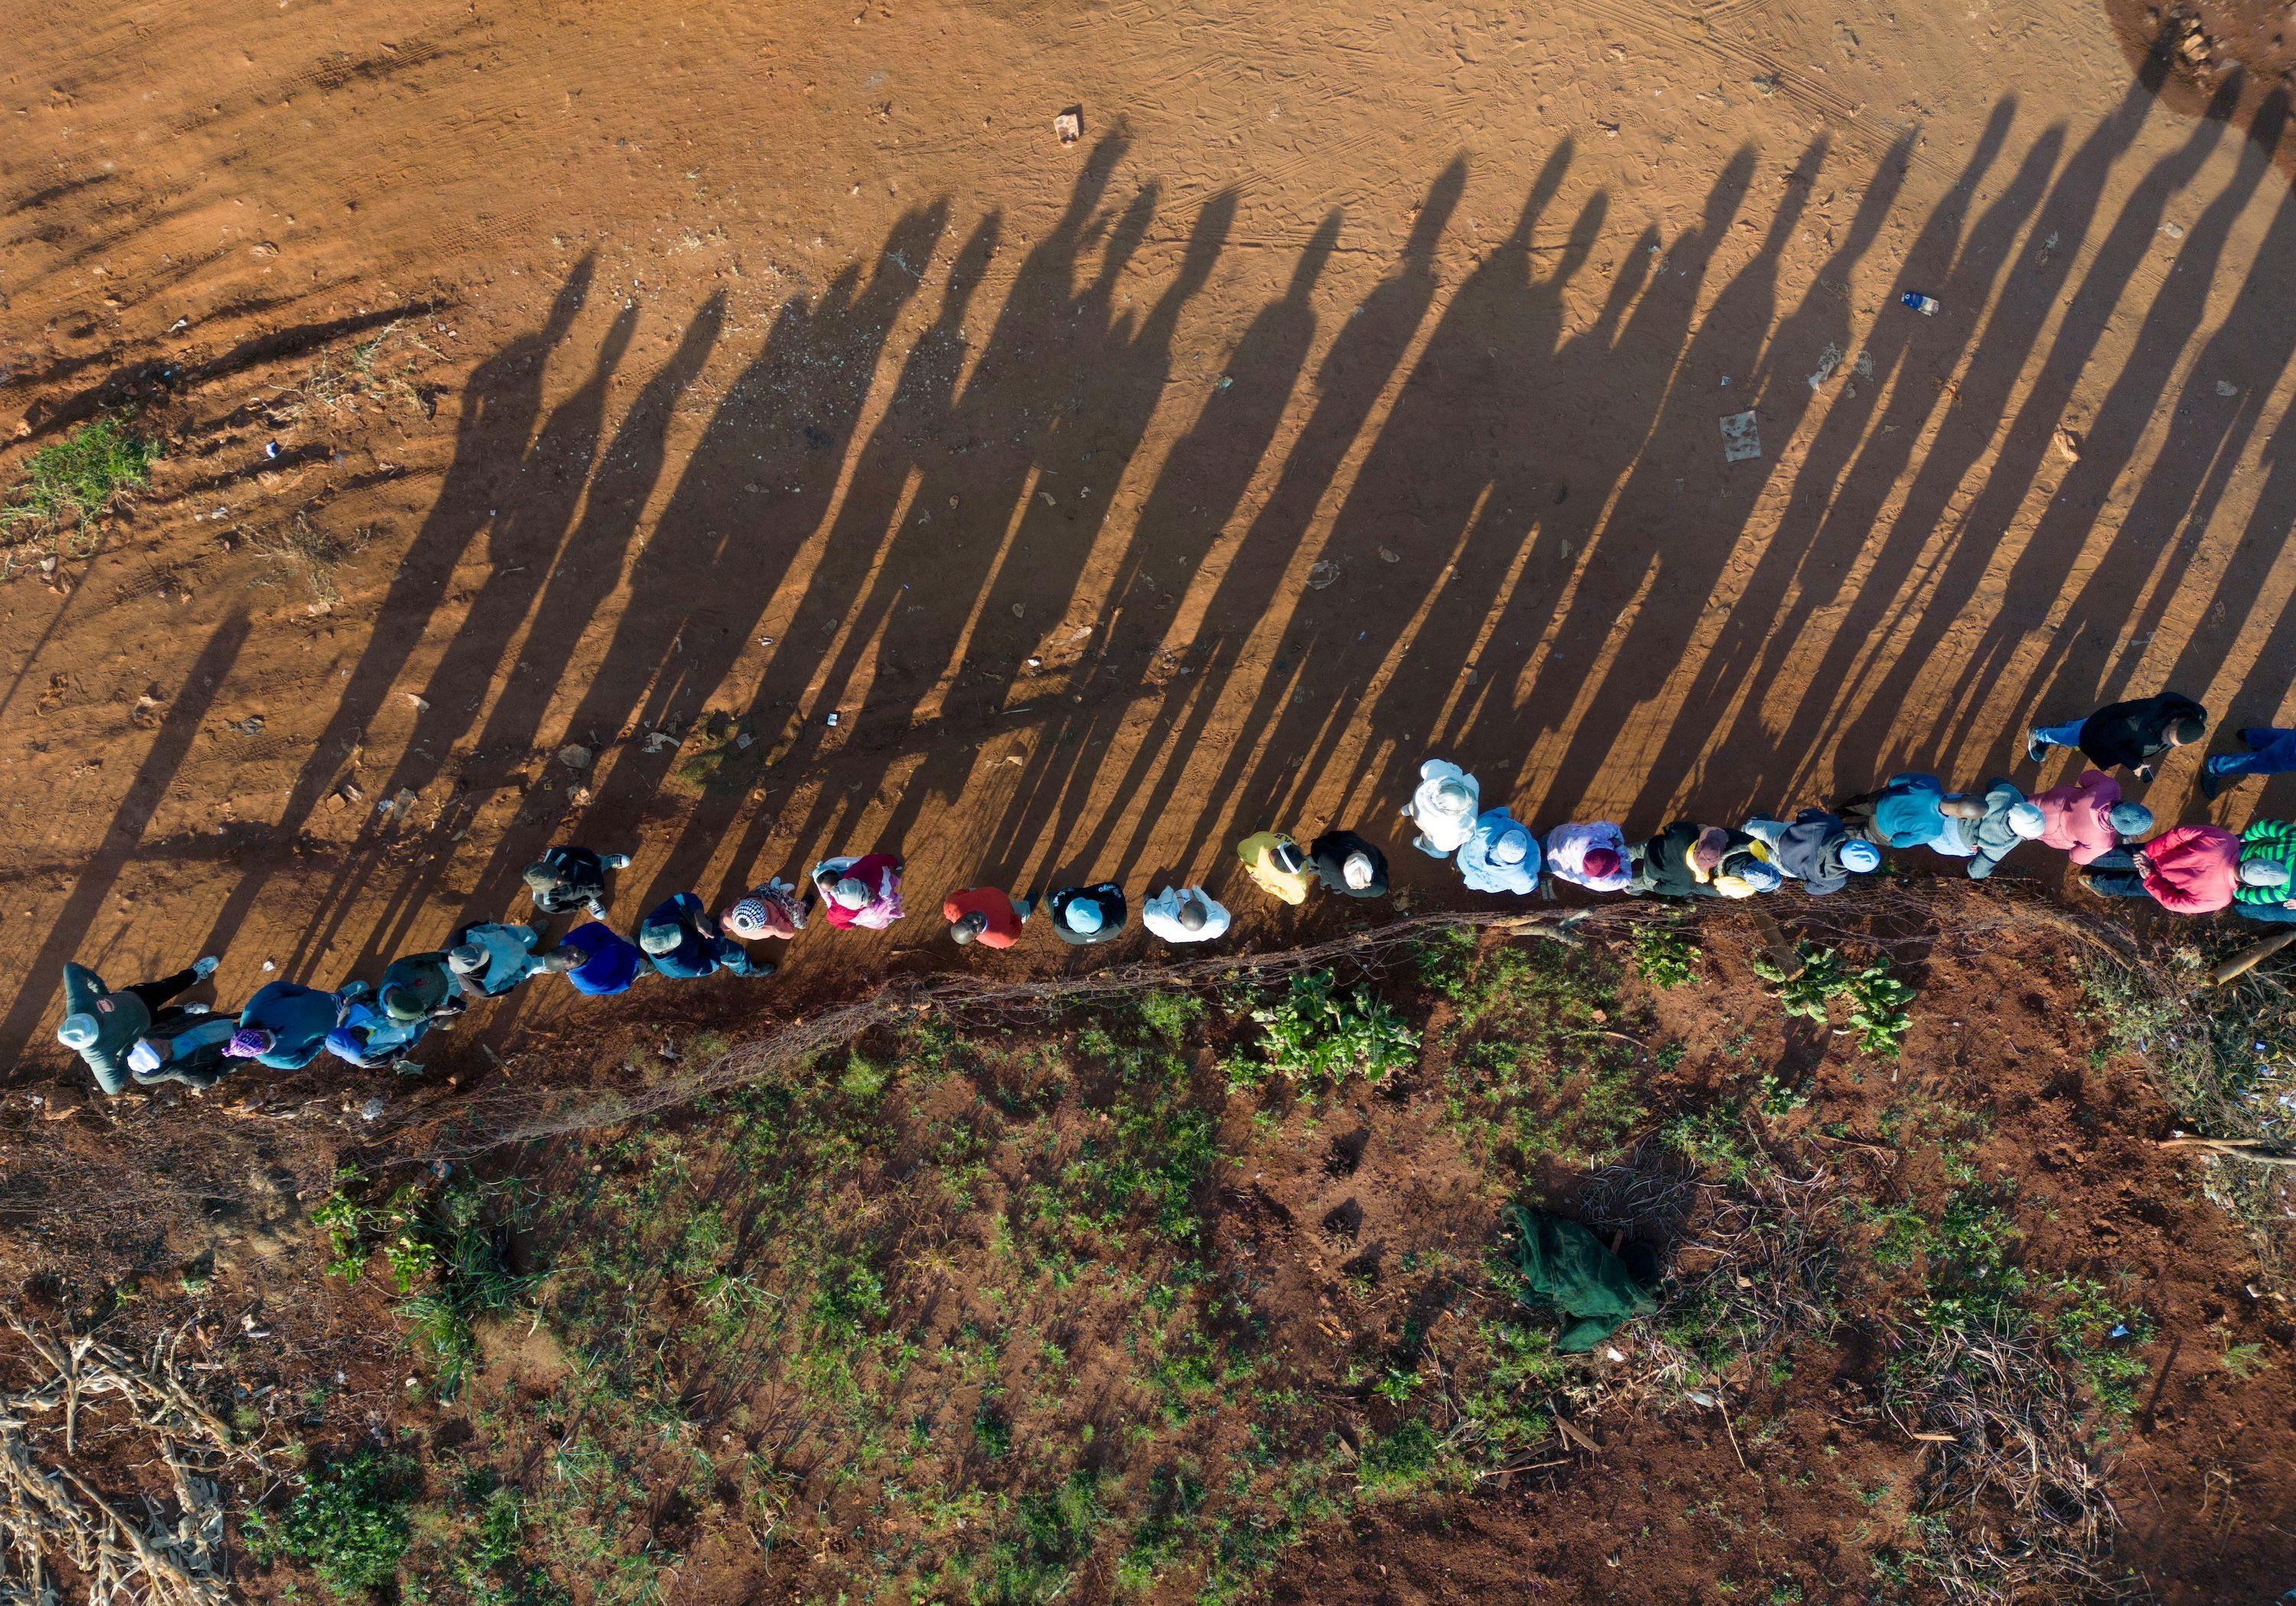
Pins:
x,y
1817,850
1443,806
186,1046
1691,861
284,1025
2088,818
772,910
568,879
2129,735
491,959
2192,870
1185,914
1346,864
1985,839
1500,855
100,1025
1592,854
1275,864
862,894
601,961
2271,751
1083,916
677,941
1744,868
985,915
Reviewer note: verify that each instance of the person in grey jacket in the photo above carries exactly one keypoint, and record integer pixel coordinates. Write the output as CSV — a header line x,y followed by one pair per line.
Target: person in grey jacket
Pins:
x,y
100,1025
1985,839
1818,850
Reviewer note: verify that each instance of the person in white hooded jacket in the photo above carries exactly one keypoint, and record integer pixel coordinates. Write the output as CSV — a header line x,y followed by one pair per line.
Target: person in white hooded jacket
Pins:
x,y
1592,854
1444,807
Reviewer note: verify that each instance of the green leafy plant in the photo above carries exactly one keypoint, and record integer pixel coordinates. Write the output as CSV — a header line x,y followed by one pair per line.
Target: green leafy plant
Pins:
x,y
2244,1361
1318,1031
80,474
1877,1010
1805,992
1666,956
347,1521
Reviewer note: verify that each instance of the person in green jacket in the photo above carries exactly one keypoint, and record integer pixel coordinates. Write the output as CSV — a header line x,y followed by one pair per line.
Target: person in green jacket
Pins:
x,y
2267,842
101,1025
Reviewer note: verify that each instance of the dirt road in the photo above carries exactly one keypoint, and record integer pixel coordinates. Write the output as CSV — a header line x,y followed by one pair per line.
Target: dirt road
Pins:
x,y
647,389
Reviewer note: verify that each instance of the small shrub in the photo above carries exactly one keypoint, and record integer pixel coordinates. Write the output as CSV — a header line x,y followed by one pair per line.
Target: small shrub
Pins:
x,y
1318,1031
1805,995
347,1521
80,474
1877,1010
1402,1460
1666,956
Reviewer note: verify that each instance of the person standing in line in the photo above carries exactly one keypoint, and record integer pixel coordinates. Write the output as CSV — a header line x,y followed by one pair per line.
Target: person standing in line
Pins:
x,y
1185,914
1592,854
491,959
2268,896
985,915
2271,751
371,1038
2009,819
1084,915
1817,850
185,1046
860,893
2193,869
1274,862
100,1025
2088,818
1346,864
772,910
1909,812
419,986
1443,807
2129,735
285,1025
599,960
677,941
568,879
1500,855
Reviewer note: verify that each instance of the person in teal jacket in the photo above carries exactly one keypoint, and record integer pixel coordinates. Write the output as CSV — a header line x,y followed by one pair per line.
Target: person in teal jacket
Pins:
x,y
101,1025
285,1027
493,959
371,1038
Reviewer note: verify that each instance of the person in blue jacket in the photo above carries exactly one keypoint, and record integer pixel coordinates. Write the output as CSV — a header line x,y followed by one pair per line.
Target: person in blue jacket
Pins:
x,y
681,943
1500,855
599,960
102,1025
492,958
1909,812
285,1027
185,1046
368,1036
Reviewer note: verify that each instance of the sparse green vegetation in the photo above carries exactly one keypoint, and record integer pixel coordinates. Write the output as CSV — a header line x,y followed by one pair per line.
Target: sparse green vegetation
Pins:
x,y
1876,999
80,475
1666,956
1319,1032
347,1520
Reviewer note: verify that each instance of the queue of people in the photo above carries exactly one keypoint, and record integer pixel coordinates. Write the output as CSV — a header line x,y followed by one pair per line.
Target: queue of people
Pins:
x,y
141,1035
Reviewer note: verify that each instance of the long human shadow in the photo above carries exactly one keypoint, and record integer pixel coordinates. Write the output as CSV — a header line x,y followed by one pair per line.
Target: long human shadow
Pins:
x,y
755,491
122,838
522,547
501,402
1356,370
2144,564
1869,715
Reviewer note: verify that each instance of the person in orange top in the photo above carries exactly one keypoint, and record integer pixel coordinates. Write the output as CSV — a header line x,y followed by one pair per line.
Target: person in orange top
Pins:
x,y
983,915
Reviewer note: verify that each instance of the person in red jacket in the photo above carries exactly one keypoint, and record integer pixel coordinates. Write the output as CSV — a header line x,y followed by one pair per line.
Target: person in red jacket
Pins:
x,y
2088,819
985,915
2192,870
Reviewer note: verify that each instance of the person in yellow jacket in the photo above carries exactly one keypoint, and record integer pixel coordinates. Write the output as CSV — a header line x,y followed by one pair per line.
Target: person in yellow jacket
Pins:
x,y
1276,863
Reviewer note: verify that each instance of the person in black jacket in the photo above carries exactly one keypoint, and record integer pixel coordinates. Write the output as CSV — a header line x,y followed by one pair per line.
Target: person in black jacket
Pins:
x,y
1084,915
1346,863
2128,735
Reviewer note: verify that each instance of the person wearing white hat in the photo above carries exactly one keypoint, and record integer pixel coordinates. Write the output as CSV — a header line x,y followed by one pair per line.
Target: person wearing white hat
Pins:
x,y
1987,839
1185,914
1347,865
100,1025
1443,806
1500,855
1084,915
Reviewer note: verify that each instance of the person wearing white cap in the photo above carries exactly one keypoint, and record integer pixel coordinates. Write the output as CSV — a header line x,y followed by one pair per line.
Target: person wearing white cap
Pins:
x,y
1083,916
100,1025
1347,865
492,958
1443,807
1986,840
772,910
1185,914
1500,855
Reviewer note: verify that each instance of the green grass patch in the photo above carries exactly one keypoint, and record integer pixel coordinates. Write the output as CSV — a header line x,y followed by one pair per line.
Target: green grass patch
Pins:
x,y
80,475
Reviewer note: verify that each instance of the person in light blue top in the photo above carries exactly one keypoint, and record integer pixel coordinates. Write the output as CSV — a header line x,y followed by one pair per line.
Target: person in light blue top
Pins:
x,y
372,1039
285,1027
1500,855
493,959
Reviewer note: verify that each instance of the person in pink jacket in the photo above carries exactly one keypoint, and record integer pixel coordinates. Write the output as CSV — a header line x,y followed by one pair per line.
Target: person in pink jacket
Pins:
x,y
2192,870
2088,819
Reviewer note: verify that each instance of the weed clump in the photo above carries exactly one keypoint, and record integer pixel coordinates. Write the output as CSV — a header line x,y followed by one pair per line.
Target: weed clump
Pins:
x,y
1319,1032
81,474
347,1521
